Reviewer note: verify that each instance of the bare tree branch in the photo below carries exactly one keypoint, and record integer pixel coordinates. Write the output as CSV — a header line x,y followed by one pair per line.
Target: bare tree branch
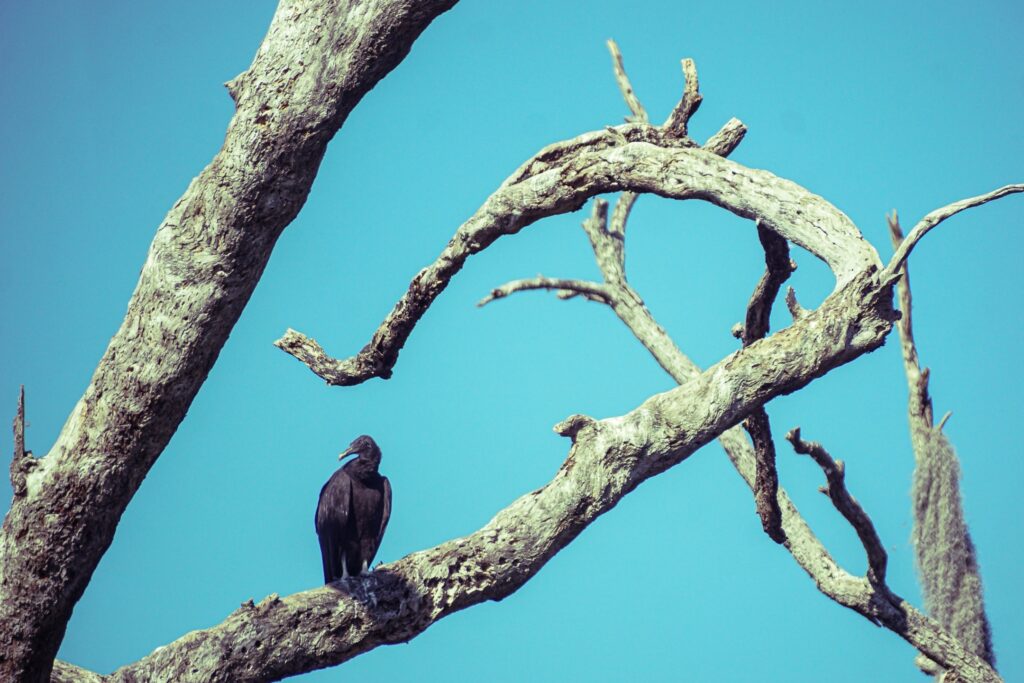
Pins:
x,y
22,462
835,473
202,267
636,158
795,309
632,101
677,121
943,548
799,539
608,459
566,289
727,139
562,177
874,600
939,215
777,270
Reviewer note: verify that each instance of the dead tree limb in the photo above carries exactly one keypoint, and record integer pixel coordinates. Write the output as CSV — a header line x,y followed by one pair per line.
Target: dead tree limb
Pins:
x,y
846,504
944,551
608,459
777,270
202,267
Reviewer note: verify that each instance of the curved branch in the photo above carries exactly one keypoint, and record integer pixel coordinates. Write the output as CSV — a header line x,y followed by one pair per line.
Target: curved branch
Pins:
x,y
562,177
939,215
315,64
872,598
608,459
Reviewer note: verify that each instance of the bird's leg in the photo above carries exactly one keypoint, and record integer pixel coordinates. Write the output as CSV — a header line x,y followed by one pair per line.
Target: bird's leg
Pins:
x,y
344,566
364,572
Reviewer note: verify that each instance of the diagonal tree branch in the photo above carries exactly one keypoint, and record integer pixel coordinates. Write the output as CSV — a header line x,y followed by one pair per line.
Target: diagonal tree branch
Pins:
x,y
317,61
608,459
628,94
835,473
798,538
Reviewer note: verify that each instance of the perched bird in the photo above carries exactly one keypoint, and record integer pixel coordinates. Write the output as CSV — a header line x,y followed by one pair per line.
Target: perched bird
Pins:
x,y
354,508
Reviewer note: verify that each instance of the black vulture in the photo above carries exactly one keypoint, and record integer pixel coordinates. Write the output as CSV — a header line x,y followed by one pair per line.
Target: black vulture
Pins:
x,y
353,512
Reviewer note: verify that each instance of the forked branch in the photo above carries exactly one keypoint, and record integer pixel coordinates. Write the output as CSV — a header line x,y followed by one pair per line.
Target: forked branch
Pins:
x,y
634,157
846,504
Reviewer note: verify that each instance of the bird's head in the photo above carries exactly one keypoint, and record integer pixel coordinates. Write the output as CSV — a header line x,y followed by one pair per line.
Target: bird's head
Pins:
x,y
365,447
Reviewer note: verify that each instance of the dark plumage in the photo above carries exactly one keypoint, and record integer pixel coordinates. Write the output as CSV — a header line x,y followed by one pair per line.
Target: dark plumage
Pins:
x,y
354,508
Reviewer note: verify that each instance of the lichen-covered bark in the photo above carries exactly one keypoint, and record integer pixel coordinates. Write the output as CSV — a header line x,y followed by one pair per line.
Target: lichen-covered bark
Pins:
x,y
317,61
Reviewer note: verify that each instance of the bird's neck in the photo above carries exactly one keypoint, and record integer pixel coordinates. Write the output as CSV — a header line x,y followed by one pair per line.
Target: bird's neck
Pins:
x,y
364,469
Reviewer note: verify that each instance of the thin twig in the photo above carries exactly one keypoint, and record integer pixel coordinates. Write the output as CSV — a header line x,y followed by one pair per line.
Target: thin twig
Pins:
x,y
566,289
677,122
847,505
22,461
19,426
936,217
628,94
920,402
795,309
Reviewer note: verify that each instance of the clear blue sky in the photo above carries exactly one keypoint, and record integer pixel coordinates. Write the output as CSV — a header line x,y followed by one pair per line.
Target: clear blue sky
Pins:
x,y
111,108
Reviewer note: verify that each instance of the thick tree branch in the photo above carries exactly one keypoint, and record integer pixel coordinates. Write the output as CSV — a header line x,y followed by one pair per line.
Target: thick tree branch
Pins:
x,y
873,598
943,548
317,61
608,459
635,158
939,215
846,504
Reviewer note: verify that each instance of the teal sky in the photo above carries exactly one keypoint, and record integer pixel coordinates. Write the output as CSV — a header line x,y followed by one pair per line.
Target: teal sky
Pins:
x,y
112,108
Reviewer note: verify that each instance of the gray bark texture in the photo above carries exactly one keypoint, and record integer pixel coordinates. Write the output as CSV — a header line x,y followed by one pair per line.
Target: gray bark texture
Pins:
x,y
318,59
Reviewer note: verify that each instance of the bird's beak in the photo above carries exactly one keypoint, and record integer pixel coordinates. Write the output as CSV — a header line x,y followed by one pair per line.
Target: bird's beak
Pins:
x,y
347,452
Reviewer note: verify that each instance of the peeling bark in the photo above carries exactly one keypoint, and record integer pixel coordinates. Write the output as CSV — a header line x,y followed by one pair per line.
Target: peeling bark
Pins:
x,y
315,64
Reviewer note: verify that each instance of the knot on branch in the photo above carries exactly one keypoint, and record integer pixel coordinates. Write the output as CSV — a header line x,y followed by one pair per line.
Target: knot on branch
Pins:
x,y
572,425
